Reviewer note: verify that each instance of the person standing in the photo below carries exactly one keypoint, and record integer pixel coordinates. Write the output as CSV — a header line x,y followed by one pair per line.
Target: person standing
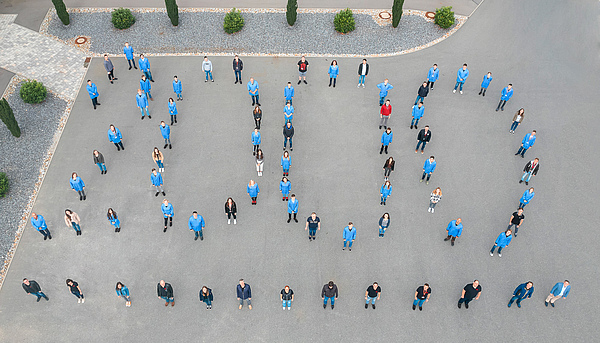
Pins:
x,y
93,92
157,182
384,223
417,113
288,93
128,51
253,190
177,88
385,192
244,292
507,93
329,291
196,224
255,141
561,289
123,291
286,296
207,68
146,87
114,136
238,65
292,208
423,138
231,210
77,185
531,169
363,71
526,198
501,242
253,91
260,162
349,236
75,290
388,167
470,291
286,163
302,69
487,78
33,288
523,291
384,88
167,211
288,134
110,69
373,293
516,219
527,142
461,77
517,120
205,294
434,198
433,75
39,223
428,168
288,113
333,72
454,230
173,111
285,186
112,217
145,67
422,93
72,220
386,140
142,103
164,291
422,295
159,158
384,114
99,161
165,131
257,114
313,223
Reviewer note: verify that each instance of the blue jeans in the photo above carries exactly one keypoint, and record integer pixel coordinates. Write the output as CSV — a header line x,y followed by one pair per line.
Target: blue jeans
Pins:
x,y
77,294
349,244
179,96
459,83
168,300
198,234
254,98
247,300
415,121
142,110
382,231
381,100
148,95
286,170
116,223
514,125
522,205
286,303
494,248
513,299
419,98
131,61
238,75
361,79
285,140
327,298
312,232
384,198
40,295
287,120
428,176
207,301
419,302
160,164
148,74
101,166
371,299
208,73
289,100
76,226
45,232
419,143
521,151
526,175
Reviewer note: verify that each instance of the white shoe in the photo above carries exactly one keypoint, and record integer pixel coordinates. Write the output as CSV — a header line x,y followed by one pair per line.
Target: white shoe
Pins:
x,y
289,308
82,300
228,221
363,85
432,210
454,91
491,254
429,209
461,92
358,86
78,301
234,221
283,308
499,255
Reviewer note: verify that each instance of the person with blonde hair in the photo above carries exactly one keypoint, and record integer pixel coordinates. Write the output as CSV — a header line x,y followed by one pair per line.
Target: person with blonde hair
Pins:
x,y
434,198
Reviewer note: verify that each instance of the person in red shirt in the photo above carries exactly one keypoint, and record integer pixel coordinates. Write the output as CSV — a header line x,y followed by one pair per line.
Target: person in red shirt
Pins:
x,y
384,114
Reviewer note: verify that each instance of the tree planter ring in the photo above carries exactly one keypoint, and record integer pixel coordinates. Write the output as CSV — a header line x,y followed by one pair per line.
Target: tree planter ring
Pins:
x,y
385,15
430,15
80,40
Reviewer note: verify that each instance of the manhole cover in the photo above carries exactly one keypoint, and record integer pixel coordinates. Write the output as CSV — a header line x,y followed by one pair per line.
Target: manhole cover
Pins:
x,y
385,15
430,15
80,40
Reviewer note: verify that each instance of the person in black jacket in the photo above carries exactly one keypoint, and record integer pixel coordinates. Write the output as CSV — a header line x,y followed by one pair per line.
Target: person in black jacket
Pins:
x,y
238,65
329,291
99,161
231,210
244,292
388,167
363,70
531,169
288,133
257,114
422,93
423,138
206,296
33,288
286,296
165,292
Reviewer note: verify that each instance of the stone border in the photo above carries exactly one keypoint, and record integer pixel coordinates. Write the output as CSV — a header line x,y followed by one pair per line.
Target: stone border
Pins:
x,y
374,13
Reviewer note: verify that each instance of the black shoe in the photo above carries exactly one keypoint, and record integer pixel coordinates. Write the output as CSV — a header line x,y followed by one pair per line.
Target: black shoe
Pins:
x,y
420,308
325,305
94,107
80,198
130,68
152,80
379,127
166,144
296,220
520,181
447,239
116,229
98,104
546,303
291,149
195,238
299,81
466,305
142,117
332,305
452,244
46,237
163,193
289,220
46,297
149,117
252,104
38,299
412,126
84,197
373,306
111,82
516,154
349,249
114,78
258,103
49,236
201,238
170,147
135,67
165,230
416,127
459,304
526,183
552,304
414,307
306,84
254,152
479,93
366,305
522,156
497,109
170,223
156,194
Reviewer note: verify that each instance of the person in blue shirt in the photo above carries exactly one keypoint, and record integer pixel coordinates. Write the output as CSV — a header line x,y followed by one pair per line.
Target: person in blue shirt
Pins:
x,y
386,139
165,131
172,111
78,186
501,242
196,224
255,141
167,210
112,217
417,114
253,190
288,93
122,290
349,236
157,181
286,162
128,51
93,92
454,230
526,197
487,78
384,87
433,75
428,168
526,143
461,77
142,103
288,113
333,72
146,87
145,67
385,191
561,289
522,292
39,223
292,208
507,93
285,186
253,91
115,137
177,88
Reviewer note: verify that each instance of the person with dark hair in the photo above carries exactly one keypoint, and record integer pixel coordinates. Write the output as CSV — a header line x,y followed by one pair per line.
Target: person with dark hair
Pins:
x,y
253,91
257,114
286,296
253,190
470,291
288,134
522,292
231,210
292,208
384,223
157,182
196,224
99,161
433,75
388,167
146,87
288,113
167,210
507,93
461,77
422,93
238,66
112,217
454,230
348,236
386,140
172,111
255,141
205,294
561,289
333,72
417,113
39,223
110,69
115,137
373,293
329,291
142,103
487,78
423,138
123,291
33,288
517,120
75,290
260,162
363,71
528,142
207,67
164,291
386,191
516,219
128,51
145,66
384,114
428,168
285,186
286,162
302,69
531,169
288,93
422,295
72,220
244,293
77,185
159,159
165,131
177,88
502,242
313,223
93,92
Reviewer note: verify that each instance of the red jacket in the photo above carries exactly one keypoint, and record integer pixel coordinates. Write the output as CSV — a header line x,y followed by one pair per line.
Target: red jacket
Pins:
x,y
386,110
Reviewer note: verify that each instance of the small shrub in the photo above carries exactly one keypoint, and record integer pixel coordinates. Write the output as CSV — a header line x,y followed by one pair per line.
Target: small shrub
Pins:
x,y
61,11
172,11
8,117
291,12
344,21
122,18
33,92
233,21
3,184
444,17
397,12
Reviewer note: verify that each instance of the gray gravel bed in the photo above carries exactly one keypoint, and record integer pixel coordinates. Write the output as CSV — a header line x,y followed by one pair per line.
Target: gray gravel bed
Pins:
x,y
21,158
202,32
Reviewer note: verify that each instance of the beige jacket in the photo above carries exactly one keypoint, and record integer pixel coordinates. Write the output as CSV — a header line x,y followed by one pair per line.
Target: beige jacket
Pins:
x,y
74,218
159,157
515,117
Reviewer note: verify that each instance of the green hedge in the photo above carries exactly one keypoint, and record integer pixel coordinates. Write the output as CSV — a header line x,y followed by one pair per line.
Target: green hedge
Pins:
x,y
444,17
33,92
344,21
122,18
3,184
233,21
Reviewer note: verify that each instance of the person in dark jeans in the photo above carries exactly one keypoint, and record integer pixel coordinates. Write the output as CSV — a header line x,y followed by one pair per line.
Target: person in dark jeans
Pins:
x,y
470,291
388,167
531,169
423,138
244,293
110,69
33,288
75,290
165,291
422,295
288,133
373,293
329,291
422,92
231,210
523,291
238,65
313,223
257,114
39,223
516,220
206,295
93,92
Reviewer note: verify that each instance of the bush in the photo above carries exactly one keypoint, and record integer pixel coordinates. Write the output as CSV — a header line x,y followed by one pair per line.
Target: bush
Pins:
x,y
122,18
444,17
397,12
291,12
344,21
33,92
61,11
172,11
233,21
3,185
8,117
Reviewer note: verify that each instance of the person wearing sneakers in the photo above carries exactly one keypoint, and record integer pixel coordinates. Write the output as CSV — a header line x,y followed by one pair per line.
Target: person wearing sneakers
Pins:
x,y
167,210
384,114
313,223
372,294
302,68
422,93
159,159
110,69
165,292
145,67
363,71
417,113
75,290
454,230
39,223
385,192
422,295
531,169
78,186
516,219
99,161
292,208
253,190
255,141
257,115
207,67
461,77
388,167
196,224
142,103
288,134
470,291
517,120
507,93
487,78
502,242
349,236
165,131
206,295
128,51
285,186
434,198
244,293
112,217
386,140
522,292
177,88
72,220
286,162
384,88
288,93
123,291
561,289
428,168
423,138
33,288
173,111
527,142
260,162
231,210
526,198
384,223
329,291
146,87
238,66
252,87
93,92
286,296
433,75
115,137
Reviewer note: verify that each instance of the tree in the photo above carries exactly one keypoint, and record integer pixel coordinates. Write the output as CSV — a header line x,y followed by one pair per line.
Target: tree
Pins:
x,y
291,12
172,11
397,12
61,11
8,117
